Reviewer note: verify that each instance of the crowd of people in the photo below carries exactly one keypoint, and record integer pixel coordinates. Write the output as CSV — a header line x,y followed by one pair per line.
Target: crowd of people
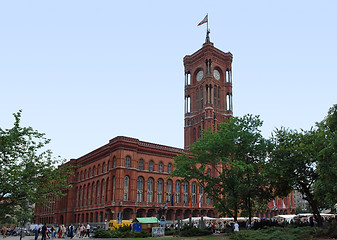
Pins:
x,y
61,231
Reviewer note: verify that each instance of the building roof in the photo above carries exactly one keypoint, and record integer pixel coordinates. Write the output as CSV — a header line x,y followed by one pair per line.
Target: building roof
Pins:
x,y
148,220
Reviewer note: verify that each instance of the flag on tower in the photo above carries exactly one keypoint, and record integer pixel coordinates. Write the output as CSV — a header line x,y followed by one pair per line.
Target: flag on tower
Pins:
x,y
205,20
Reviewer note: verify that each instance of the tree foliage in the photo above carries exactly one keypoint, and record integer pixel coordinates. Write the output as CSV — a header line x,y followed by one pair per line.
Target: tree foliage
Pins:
x,y
306,161
293,164
228,163
326,185
28,173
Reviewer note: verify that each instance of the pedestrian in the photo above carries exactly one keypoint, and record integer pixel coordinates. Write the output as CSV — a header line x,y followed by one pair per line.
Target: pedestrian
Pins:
x,y
36,231
44,231
82,231
4,232
53,232
88,230
236,227
64,230
71,231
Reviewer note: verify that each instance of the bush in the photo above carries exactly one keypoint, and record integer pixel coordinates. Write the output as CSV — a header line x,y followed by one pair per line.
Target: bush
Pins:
x,y
191,231
275,233
169,231
329,232
120,233
102,233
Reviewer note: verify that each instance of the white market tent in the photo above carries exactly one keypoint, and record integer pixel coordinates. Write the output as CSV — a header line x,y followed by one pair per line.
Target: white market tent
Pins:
x,y
197,219
209,219
288,218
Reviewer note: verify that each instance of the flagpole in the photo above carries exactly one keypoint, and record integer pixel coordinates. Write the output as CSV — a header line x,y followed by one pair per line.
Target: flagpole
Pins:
x,y
207,24
207,31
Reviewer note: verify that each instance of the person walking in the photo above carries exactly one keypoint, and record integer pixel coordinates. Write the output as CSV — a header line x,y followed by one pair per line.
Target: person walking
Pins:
x,y
87,230
236,227
44,231
4,232
71,231
36,231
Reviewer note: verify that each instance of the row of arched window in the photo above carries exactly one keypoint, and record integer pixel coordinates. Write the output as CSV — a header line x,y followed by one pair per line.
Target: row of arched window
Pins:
x,y
90,172
147,191
92,193
208,99
179,192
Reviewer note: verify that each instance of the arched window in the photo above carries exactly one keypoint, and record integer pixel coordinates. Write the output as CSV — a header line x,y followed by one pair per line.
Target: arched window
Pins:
x,y
228,102
188,104
160,191
84,195
219,97
185,192
140,189
103,190
199,131
126,188
80,198
168,190
194,193
201,98
160,167
127,162
151,166
194,135
94,171
227,76
104,168
141,164
81,175
198,99
150,190
76,197
89,173
85,173
107,195
89,194
99,169
188,78
98,189
215,93
177,192
93,193
169,168
114,162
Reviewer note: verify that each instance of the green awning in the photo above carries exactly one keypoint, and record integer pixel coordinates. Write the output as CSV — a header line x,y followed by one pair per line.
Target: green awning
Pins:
x,y
147,220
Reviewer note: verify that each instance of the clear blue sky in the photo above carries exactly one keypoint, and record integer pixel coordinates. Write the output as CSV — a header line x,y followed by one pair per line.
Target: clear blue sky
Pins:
x,y
84,72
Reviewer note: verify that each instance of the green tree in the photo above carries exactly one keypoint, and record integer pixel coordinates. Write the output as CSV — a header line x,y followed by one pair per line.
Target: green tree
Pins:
x,y
293,164
228,163
326,184
28,174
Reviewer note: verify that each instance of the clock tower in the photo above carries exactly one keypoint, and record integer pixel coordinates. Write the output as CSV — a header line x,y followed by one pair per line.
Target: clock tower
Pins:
x,y
208,90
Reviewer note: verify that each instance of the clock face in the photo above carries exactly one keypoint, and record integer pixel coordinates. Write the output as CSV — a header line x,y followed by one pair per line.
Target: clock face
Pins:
x,y
216,74
200,75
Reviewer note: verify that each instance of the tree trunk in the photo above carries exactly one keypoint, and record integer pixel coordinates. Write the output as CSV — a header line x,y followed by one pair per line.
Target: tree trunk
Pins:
x,y
249,210
314,207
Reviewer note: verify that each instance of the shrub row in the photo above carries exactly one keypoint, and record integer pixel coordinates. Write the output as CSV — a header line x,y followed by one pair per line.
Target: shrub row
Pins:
x,y
102,233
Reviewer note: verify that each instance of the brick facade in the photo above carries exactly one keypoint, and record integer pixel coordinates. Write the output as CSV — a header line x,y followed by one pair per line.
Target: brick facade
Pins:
x,y
128,178
116,179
